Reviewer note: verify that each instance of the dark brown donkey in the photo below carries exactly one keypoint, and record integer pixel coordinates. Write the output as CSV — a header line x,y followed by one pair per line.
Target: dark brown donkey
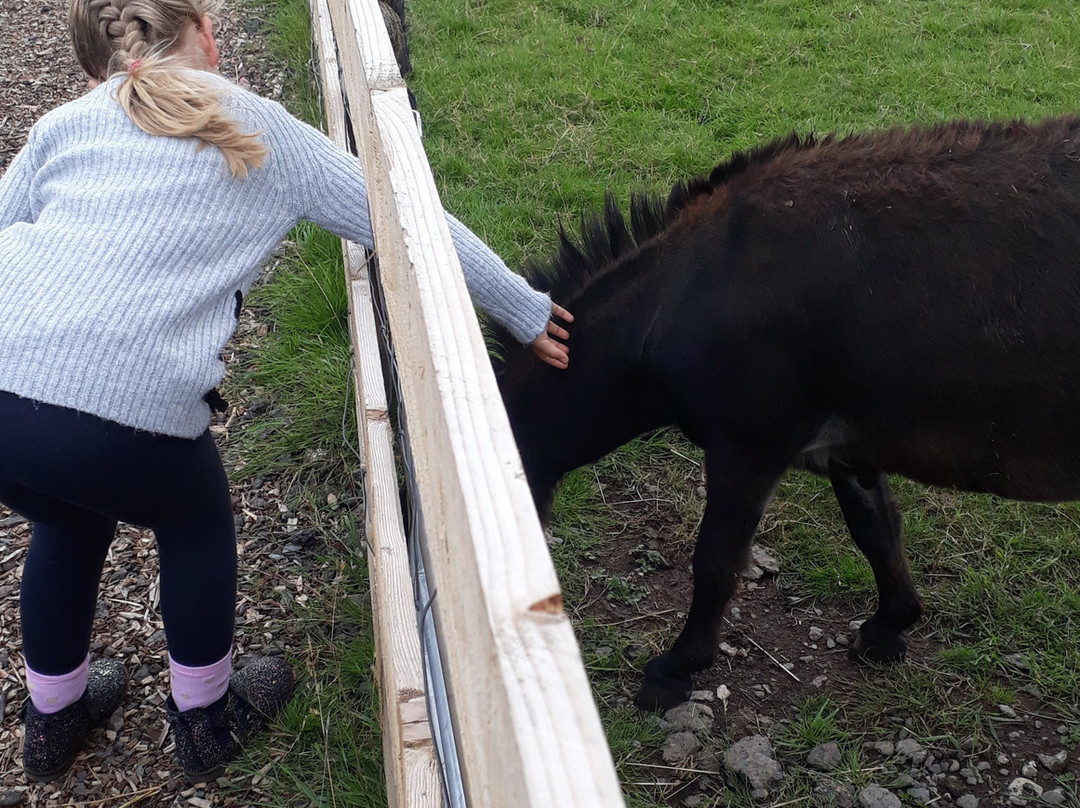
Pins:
x,y
905,302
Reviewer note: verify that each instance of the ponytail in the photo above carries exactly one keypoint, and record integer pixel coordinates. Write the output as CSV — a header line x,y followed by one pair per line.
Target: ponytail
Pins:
x,y
136,37
162,100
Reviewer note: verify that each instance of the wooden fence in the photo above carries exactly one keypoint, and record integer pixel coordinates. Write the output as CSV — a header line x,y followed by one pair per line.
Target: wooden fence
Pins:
x,y
525,725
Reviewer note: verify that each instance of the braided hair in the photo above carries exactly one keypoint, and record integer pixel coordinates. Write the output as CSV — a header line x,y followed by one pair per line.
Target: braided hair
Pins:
x,y
138,37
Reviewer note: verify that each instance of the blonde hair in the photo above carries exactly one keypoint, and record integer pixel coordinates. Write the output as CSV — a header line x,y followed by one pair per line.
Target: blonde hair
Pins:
x,y
137,37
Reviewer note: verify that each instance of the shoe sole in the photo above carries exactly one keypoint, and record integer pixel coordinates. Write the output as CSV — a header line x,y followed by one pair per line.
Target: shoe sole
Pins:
x,y
52,775
195,778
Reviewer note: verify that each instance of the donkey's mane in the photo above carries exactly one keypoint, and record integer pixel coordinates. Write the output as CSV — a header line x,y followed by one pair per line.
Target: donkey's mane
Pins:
x,y
605,237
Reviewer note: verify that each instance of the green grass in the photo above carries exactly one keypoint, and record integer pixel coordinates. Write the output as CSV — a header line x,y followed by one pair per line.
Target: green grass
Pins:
x,y
815,724
326,747
531,112
300,370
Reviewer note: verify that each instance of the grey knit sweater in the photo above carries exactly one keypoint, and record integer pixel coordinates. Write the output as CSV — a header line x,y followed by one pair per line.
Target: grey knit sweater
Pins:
x,y
121,255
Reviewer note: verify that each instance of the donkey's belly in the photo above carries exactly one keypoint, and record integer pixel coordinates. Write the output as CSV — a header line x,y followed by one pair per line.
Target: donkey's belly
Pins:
x,y
1040,469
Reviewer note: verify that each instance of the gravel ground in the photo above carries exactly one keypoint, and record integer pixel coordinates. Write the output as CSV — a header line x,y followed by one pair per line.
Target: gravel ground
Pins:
x,y
130,762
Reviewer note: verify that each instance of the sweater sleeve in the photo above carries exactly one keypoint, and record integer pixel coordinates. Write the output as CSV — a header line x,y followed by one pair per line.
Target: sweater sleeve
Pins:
x,y
503,295
15,190
335,197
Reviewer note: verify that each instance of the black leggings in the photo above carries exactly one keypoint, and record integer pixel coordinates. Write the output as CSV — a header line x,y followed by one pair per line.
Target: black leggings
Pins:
x,y
75,476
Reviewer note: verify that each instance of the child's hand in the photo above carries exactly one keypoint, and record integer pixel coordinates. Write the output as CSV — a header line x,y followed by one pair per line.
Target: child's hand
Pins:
x,y
550,350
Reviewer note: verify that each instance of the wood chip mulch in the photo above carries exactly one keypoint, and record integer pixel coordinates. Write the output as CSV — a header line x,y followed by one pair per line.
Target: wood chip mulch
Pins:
x,y
281,550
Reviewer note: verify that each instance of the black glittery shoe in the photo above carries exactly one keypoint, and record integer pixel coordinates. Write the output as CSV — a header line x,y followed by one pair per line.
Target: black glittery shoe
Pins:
x,y
51,742
209,737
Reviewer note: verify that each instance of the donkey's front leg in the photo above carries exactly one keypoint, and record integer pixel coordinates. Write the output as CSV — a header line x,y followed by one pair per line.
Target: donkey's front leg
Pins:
x,y
737,495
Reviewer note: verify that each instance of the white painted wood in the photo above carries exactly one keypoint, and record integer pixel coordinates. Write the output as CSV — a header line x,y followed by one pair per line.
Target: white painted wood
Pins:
x,y
527,730
409,759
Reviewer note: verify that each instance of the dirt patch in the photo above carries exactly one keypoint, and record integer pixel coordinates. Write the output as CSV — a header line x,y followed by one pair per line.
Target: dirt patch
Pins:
x,y
781,652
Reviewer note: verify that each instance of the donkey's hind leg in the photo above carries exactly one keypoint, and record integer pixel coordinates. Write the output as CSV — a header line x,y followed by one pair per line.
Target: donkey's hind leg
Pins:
x,y
874,523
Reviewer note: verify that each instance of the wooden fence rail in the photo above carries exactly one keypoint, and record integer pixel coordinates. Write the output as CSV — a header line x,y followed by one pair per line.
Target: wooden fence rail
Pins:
x,y
525,725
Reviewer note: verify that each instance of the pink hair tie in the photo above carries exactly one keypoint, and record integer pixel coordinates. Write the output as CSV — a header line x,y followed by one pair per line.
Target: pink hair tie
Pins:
x,y
135,63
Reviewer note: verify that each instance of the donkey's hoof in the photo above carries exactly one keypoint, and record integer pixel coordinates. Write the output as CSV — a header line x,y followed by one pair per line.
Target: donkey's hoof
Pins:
x,y
873,644
661,689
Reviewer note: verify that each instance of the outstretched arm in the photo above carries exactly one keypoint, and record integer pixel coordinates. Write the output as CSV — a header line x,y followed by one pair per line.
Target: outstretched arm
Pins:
x,y
502,294
336,198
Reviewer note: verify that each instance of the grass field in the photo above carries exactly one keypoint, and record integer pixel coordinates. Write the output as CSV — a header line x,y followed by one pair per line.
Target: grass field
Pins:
x,y
531,112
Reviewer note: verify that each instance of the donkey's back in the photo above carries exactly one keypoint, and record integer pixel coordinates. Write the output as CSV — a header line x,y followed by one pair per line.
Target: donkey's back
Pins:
x,y
907,302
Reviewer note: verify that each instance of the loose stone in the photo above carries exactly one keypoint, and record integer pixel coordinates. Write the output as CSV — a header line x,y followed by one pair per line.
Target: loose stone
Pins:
x,y
1022,789
752,573
690,716
764,559
885,748
753,758
874,796
824,757
911,749
680,747
1055,764
920,794
1016,660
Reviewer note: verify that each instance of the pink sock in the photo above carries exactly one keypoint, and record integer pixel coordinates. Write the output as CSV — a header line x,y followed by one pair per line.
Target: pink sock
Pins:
x,y
199,687
51,694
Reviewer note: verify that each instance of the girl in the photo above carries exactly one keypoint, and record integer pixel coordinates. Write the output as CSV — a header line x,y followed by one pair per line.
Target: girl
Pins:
x,y
131,225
